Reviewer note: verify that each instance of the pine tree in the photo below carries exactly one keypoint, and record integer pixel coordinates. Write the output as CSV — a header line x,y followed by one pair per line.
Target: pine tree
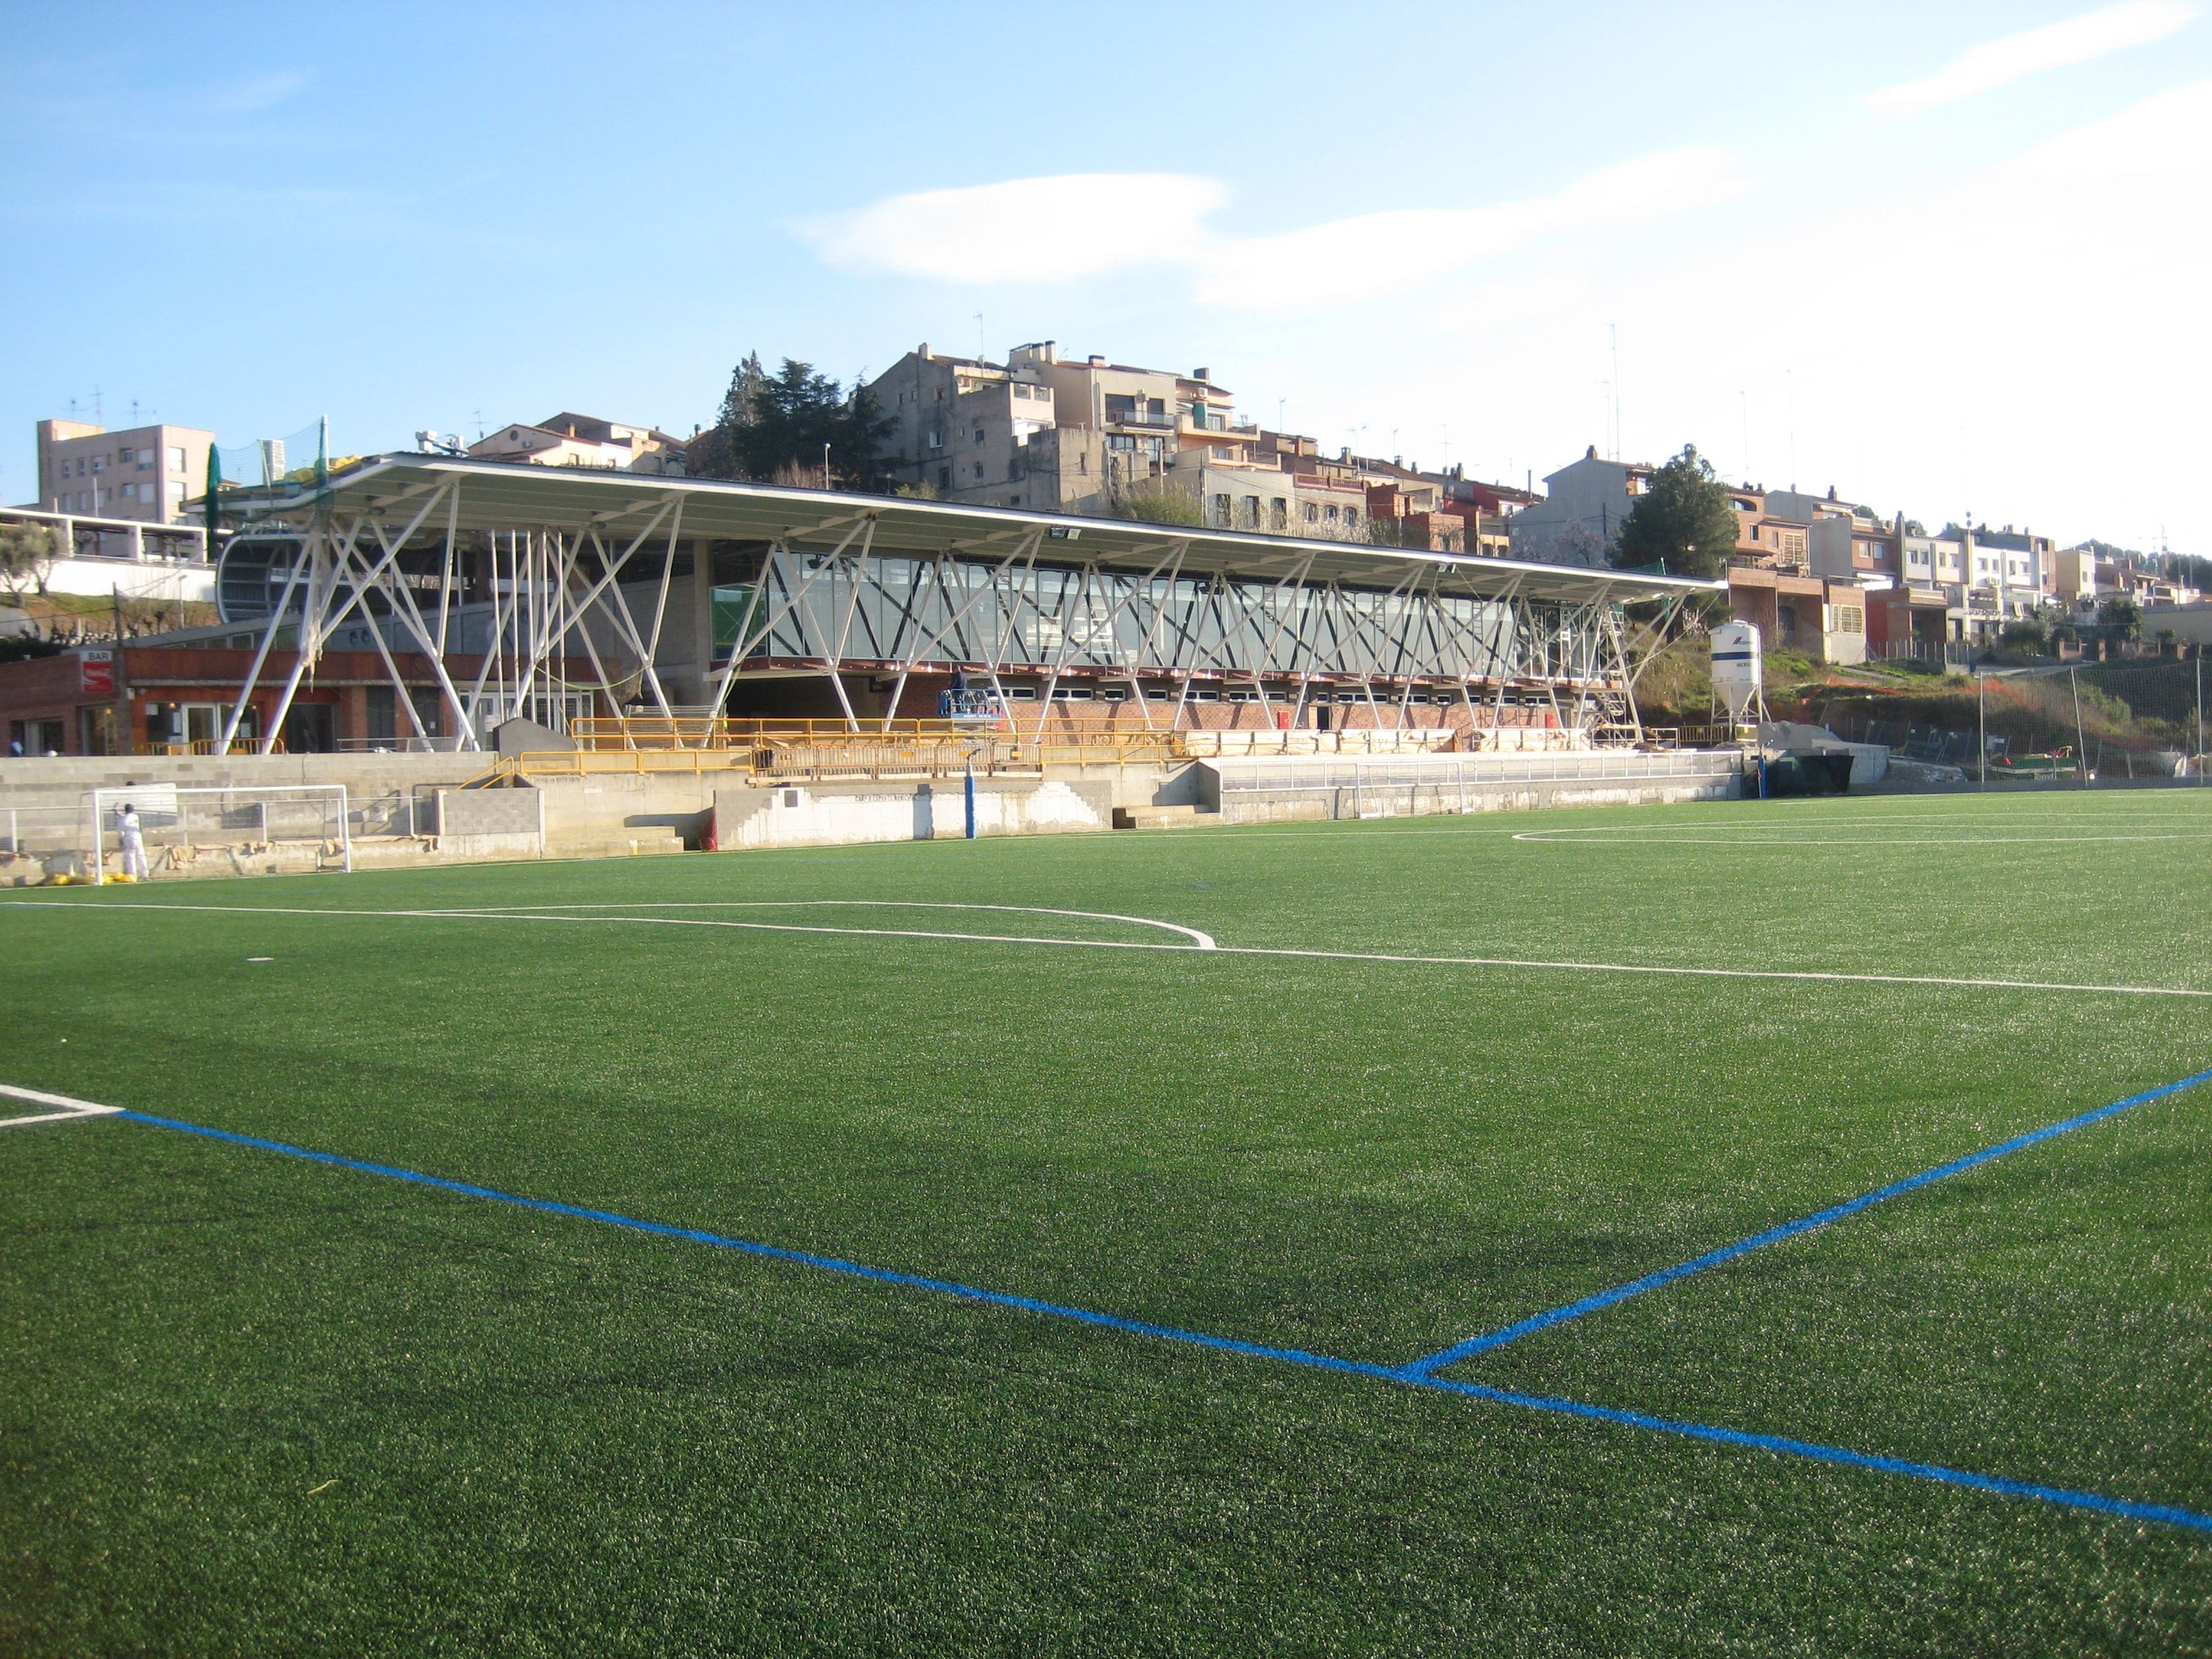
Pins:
x,y
1684,523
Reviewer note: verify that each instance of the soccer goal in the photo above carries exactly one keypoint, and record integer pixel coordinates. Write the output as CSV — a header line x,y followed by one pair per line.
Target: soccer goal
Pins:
x,y
286,830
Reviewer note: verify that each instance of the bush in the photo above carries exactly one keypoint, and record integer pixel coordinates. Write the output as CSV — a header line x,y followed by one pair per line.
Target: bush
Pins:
x,y
1160,506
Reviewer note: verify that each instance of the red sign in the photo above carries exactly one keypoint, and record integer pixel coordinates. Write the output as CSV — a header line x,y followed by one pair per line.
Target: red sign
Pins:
x,y
95,673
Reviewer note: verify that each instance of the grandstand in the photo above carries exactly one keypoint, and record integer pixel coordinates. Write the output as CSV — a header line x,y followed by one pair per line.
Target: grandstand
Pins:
x,y
491,591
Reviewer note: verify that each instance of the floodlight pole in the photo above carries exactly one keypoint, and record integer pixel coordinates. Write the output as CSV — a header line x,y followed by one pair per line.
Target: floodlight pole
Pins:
x,y
2199,660
2082,753
1982,720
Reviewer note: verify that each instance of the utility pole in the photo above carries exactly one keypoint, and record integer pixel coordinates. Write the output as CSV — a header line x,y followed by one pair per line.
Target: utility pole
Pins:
x,y
122,691
1982,720
2199,657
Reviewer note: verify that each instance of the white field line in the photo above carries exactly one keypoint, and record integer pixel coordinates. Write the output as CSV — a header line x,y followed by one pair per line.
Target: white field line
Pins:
x,y
1204,941
73,1107
1530,963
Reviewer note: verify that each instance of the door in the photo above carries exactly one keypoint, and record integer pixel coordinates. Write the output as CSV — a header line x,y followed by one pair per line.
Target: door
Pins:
x,y
308,729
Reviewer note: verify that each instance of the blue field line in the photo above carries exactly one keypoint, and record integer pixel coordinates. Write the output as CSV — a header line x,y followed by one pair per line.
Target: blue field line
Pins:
x,y
1994,1484
778,1252
1421,1368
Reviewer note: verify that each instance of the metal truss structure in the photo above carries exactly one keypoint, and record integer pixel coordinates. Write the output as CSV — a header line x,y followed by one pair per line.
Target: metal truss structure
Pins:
x,y
1274,626
514,583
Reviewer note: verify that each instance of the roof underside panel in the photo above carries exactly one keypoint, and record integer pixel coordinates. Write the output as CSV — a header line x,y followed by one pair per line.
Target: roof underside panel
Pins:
x,y
497,496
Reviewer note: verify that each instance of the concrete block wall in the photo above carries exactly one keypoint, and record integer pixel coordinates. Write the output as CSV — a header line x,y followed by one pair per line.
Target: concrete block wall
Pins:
x,y
831,815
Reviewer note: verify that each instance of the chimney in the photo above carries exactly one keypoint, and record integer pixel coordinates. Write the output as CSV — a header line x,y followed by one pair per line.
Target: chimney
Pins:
x,y
1590,455
923,352
1052,351
1098,361
1831,492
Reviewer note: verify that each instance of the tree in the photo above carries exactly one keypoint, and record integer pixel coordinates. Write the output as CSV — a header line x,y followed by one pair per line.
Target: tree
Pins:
x,y
782,424
1684,522
26,552
2123,616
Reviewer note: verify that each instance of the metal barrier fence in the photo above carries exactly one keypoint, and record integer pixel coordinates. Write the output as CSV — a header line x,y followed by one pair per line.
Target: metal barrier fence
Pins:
x,y
1385,789
1590,765
30,831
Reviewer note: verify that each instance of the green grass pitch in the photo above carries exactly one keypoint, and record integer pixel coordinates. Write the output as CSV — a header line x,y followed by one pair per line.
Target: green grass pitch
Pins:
x,y
255,1404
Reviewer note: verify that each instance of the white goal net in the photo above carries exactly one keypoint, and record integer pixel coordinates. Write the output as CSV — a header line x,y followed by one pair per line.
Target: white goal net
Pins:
x,y
146,831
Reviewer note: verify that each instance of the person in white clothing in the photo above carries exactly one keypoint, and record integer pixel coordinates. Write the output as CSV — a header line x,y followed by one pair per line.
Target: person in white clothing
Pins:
x,y
133,841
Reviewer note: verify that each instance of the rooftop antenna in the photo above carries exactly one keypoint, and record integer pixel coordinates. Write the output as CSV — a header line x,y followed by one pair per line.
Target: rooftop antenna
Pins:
x,y
1790,391
98,418
1743,408
479,420
981,353
1615,328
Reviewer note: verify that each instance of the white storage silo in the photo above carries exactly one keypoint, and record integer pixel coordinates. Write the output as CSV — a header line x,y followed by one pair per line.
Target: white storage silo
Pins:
x,y
1736,666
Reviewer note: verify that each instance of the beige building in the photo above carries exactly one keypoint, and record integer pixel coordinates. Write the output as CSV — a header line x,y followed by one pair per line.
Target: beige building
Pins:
x,y
571,439
1053,434
145,475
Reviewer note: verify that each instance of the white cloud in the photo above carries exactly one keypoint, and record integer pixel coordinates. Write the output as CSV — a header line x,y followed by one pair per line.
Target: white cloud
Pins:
x,y
2167,135
1025,229
1999,63
1379,253
1081,224
253,96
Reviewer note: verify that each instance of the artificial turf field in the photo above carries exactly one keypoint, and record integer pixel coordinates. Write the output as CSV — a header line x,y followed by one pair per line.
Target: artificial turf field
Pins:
x,y
252,1402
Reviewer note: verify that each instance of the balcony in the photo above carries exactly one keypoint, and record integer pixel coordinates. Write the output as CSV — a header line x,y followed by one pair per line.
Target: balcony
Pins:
x,y
1210,426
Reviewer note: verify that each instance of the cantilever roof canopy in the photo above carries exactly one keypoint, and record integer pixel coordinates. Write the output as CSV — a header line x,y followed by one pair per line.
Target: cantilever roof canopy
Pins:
x,y
504,495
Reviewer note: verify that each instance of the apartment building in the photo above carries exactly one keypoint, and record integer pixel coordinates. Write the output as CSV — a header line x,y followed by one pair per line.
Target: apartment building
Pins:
x,y
1055,434
145,474
1579,518
2073,576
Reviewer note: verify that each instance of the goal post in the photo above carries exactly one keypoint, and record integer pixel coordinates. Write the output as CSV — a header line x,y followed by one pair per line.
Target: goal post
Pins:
x,y
272,829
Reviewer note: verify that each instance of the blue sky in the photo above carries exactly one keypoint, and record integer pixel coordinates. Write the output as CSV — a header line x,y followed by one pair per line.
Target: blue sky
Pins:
x,y
1949,259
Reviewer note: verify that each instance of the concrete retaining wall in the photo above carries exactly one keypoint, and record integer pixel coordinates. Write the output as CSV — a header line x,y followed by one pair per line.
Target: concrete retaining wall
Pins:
x,y
830,814
1422,801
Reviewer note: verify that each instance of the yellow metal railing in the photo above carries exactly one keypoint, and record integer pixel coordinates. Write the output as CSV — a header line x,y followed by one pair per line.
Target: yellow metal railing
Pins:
x,y
650,731
823,750
205,746
789,759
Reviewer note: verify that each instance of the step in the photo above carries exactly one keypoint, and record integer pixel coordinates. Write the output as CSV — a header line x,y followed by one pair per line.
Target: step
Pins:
x,y
1163,818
